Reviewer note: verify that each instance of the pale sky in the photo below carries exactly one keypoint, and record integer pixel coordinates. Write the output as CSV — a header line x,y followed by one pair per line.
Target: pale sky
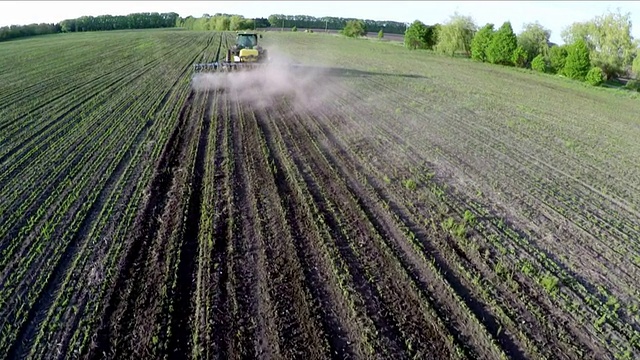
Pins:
x,y
554,15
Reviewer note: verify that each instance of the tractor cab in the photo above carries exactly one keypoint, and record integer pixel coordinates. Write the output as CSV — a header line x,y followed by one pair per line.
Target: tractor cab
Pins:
x,y
246,41
246,49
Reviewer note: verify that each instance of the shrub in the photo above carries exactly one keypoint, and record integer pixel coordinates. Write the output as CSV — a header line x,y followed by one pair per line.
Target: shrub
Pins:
x,y
557,58
480,42
595,76
380,34
354,28
539,64
534,39
578,63
633,85
294,29
502,46
456,35
419,36
519,57
635,67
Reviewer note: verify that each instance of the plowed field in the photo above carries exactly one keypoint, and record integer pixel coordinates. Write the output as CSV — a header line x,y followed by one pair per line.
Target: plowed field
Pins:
x,y
370,202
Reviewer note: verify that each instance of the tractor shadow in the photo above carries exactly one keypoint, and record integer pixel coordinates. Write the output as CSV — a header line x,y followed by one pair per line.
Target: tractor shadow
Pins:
x,y
351,73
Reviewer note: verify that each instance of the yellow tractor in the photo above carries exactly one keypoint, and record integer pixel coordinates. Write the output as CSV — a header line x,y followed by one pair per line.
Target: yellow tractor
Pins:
x,y
245,53
246,50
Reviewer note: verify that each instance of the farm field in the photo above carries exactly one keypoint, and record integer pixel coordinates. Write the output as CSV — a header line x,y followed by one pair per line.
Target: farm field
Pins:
x,y
372,202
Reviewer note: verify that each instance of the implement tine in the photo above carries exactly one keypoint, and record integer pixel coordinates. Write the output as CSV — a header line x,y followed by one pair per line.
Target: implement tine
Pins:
x,y
207,67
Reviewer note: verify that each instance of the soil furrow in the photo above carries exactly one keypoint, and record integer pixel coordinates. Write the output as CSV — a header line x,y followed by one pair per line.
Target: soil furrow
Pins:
x,y
145,227
391,339
262,313
299,333
333,327
179,342
46,297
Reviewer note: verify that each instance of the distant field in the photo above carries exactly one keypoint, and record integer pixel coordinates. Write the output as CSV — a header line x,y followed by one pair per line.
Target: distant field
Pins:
x,y
373,202
387,36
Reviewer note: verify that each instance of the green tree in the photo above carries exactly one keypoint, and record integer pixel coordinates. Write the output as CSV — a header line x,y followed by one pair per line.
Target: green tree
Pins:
x,y
480,42
354,28
539,64
247,24
435,33
534,39
201,24
416,36
456,35
503,44
557,58
235,22
635,68
608,37
519,57
294,29
222,22
578,62
380,34
595,76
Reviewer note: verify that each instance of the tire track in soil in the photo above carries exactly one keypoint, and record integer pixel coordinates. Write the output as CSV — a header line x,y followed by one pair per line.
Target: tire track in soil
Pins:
x,y
225,236
447,273
218,274
258,304
298,332
146,226
382,222
389,336
360,223
331,325
571,209
179,342
407,257
27,334
461,200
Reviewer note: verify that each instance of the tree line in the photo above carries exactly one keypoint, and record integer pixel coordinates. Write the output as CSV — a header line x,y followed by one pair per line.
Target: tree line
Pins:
x,y
220,22
594,51
227,22
120,22
18,31
333,23
93,23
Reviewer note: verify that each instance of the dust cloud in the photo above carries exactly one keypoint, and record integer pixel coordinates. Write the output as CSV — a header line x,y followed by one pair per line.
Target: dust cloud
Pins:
x,y
304,87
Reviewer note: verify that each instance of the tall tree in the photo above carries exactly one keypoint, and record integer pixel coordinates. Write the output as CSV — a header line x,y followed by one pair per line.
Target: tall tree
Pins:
x,y
235,23
578,62
609,39
354,28
534,39
502,46
519,57
635,67
222,22
480,42
557,58
418,36
456,35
